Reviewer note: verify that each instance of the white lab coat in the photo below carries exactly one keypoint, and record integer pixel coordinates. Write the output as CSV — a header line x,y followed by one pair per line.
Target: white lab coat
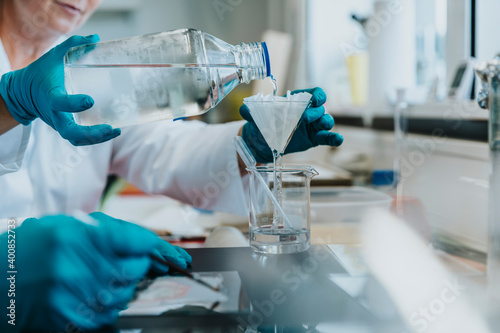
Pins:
x,y
41,173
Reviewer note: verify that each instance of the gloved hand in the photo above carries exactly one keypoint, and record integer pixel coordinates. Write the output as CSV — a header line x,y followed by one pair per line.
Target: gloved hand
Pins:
x,y
37,91
313,129
164,249
175,254
72,274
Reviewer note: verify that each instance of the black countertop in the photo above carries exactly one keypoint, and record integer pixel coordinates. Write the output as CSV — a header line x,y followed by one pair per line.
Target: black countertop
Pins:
x,y
291,293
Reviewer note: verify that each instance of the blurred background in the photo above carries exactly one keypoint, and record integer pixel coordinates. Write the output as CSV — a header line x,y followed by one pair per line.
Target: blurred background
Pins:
x,y
330,49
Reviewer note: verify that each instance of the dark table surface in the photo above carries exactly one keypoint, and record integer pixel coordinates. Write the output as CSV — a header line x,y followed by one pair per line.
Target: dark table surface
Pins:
x,y
288,293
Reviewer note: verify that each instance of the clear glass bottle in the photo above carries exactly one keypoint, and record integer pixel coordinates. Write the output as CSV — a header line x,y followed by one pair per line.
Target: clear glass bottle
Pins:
x,y
168,75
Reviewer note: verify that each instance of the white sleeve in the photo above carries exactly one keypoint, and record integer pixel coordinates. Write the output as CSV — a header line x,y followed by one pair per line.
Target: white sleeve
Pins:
x,y
189,161
12,148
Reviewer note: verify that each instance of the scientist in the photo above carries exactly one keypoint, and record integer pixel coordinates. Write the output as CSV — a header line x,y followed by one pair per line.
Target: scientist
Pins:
x,y
49,165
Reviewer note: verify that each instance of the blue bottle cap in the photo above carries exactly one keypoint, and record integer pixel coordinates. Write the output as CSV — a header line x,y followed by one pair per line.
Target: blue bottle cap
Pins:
x,y
383,177
267,59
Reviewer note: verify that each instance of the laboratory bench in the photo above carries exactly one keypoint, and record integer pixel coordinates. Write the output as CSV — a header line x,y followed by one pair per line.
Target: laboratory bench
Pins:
x,y
285,293
463,120
465,129
314,291
279,295
325,289
445,177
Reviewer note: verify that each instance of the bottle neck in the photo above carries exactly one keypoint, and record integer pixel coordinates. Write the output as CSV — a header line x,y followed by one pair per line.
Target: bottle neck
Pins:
x,y
252,61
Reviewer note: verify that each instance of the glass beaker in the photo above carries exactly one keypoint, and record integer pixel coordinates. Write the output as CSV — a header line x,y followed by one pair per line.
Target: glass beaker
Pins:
x,y
269,233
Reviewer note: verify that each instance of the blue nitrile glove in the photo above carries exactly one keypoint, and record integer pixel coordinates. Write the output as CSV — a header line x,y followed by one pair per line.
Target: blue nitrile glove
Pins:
x,y
175,254
164,249
37,91
313,130
73,276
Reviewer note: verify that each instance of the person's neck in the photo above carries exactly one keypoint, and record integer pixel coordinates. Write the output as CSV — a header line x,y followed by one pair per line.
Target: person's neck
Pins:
x,y
21,49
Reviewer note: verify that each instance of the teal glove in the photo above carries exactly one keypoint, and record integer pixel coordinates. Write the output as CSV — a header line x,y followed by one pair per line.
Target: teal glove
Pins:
x,y
37,91
175,254
164,249
73,276
313,129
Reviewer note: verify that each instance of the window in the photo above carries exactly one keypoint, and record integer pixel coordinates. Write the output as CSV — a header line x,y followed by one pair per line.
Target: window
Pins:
x,y
333,37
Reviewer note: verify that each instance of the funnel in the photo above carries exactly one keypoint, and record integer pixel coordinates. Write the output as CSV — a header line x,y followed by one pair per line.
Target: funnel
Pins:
x,y
277,117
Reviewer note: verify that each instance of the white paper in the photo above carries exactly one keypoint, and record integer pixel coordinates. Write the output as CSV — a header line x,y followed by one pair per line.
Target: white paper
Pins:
x,y
174,292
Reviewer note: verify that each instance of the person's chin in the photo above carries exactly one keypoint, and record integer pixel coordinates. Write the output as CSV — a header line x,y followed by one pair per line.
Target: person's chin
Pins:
x,y
64,27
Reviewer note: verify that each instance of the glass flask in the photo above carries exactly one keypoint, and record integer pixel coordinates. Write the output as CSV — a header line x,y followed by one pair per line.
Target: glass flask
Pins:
x,y
167,75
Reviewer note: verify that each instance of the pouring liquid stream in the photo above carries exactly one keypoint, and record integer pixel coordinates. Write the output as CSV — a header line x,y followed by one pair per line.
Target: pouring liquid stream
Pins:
x,y
275,85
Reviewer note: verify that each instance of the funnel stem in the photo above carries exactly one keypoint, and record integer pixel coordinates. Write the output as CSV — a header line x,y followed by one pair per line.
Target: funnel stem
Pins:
x,y
277,188
279,176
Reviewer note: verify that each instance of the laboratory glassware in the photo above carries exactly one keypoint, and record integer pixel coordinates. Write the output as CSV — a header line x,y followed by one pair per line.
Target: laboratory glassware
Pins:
x,y
167,75
277,118
400,130
277,236
489,97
